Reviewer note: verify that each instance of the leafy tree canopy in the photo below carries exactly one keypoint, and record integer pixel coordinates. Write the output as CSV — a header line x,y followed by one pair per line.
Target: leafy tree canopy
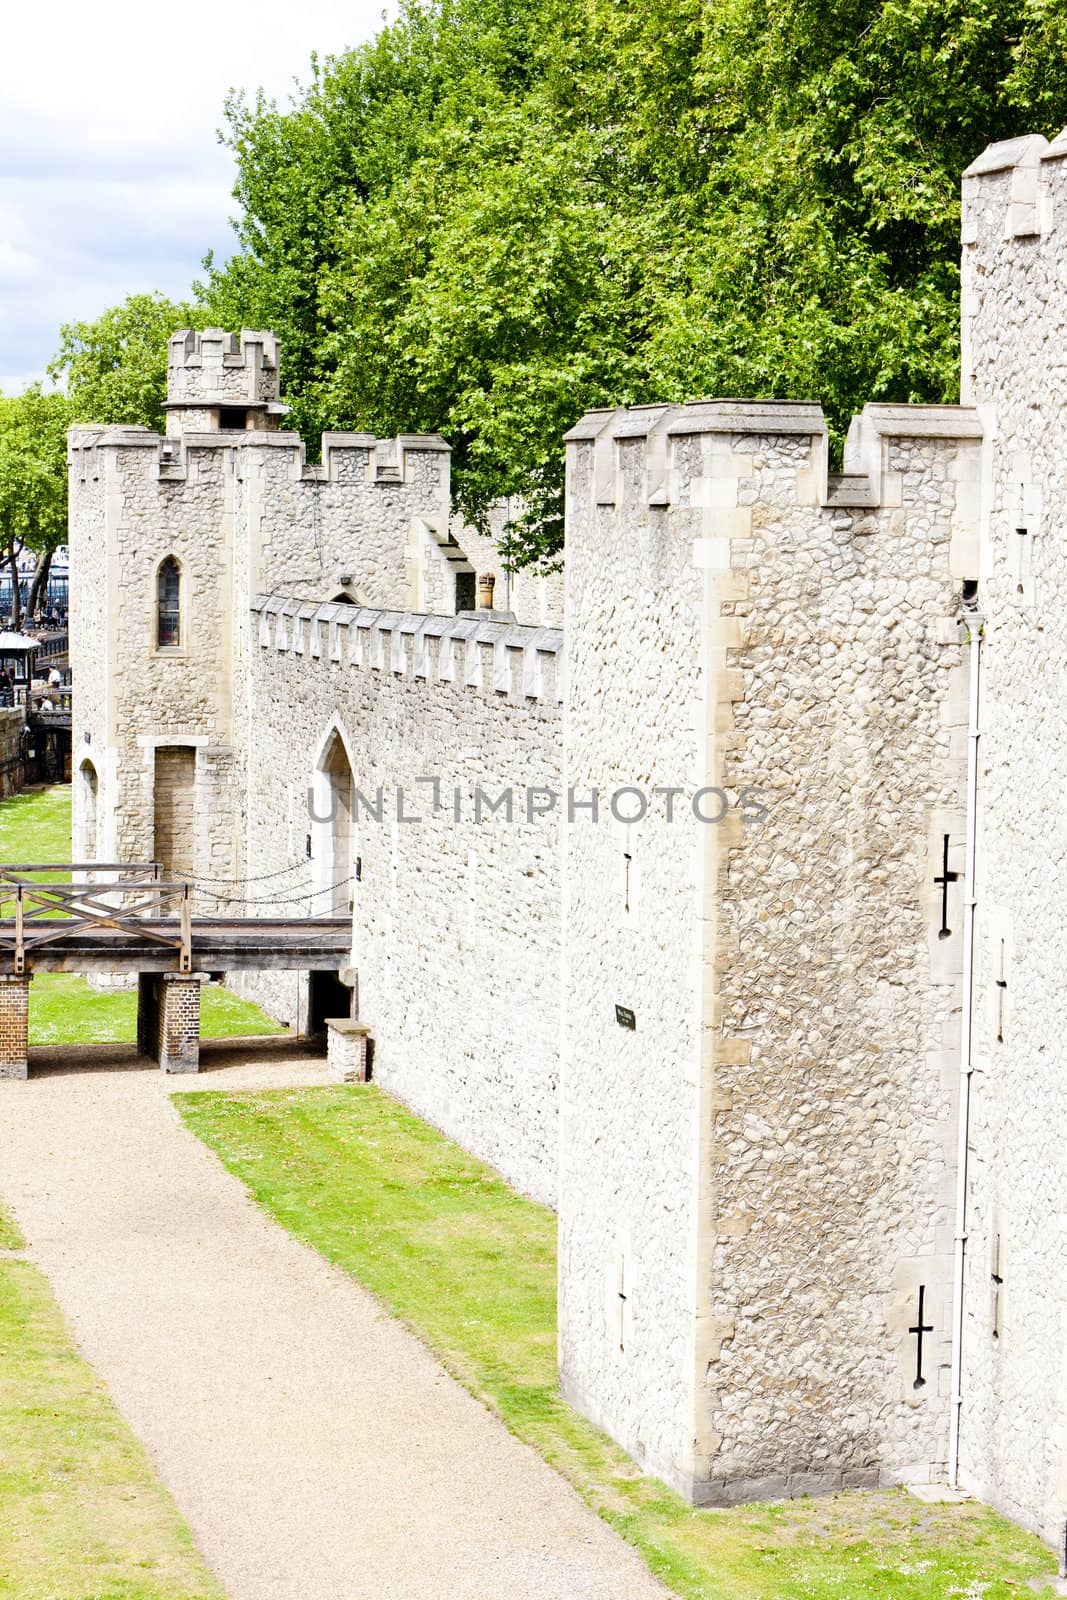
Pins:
x,y
33,471
502,212
114,369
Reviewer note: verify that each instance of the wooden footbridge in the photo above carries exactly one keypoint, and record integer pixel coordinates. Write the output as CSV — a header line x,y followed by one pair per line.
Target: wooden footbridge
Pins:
x,y
126,918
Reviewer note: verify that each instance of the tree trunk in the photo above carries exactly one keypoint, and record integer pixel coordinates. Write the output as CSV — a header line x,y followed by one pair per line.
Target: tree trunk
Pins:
x,y
39,586
16,592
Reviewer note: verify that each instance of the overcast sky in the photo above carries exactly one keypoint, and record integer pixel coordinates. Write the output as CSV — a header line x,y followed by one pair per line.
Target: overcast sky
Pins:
x,y
111,176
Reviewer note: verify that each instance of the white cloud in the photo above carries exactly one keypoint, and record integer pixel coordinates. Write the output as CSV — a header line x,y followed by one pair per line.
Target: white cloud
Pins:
x,y
16,266
111,175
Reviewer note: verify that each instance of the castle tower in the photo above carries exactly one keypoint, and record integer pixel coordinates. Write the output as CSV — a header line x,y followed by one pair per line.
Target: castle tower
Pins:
x,y
763,939
225,381
171,539
1013,1423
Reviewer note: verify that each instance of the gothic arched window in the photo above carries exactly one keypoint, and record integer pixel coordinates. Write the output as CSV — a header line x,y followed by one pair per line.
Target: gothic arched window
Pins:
x,y
168,604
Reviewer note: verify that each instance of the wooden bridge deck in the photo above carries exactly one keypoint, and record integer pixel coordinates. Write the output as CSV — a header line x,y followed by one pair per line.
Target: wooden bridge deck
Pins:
x,y
123,917
312,944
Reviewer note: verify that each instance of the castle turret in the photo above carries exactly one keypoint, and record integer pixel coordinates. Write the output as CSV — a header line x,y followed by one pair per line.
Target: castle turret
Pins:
x,y
218,380
172,538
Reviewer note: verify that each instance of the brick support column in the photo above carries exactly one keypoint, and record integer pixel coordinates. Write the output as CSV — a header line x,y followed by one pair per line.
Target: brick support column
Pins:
x,y
168,1020
347,1049
14,1026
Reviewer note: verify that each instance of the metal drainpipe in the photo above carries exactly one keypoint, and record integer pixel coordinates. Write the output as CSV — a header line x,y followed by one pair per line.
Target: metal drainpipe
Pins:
x,y
975,625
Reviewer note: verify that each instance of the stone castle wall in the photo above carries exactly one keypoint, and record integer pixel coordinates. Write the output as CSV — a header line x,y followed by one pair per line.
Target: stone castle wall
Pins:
x,y
795,1008
730,1050
90,633
12,723
1014,1414
375,514
455,935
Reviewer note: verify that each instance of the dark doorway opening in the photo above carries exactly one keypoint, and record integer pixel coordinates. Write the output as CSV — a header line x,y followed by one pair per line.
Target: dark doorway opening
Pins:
x,y
233,417
464,591
327,997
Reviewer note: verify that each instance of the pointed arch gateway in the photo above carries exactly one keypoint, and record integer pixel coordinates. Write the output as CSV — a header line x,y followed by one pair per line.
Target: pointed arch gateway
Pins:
x,y
333,827
89,784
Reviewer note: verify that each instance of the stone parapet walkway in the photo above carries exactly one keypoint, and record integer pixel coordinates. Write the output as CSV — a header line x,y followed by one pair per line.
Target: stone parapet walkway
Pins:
x,y
317,1450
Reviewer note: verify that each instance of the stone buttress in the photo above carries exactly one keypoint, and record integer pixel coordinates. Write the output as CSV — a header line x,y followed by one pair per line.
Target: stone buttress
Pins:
x,y
761,1009
1014,1413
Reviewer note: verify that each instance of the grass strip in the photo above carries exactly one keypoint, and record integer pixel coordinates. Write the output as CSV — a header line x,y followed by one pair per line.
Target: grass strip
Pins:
x,y
82,1514
10,1234
470,1267
66,1009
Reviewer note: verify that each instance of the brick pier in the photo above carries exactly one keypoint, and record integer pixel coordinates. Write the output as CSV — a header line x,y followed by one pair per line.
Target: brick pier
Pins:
x,y
168,1019
14,1026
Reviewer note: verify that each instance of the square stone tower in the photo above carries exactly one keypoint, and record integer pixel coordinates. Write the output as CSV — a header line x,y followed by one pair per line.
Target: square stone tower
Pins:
x,y
171,539
222,380
762,971
1013,1429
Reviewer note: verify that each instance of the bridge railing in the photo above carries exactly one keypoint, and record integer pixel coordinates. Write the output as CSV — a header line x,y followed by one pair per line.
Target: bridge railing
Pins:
x,y
23,697
45,913
12,872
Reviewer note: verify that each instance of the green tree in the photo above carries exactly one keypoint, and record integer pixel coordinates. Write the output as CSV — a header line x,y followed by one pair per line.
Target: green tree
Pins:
x,y
33,483
503,212
114,368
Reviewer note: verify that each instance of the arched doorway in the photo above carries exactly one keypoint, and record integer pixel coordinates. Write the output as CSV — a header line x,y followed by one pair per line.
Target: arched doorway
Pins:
x,y
89,798
333,849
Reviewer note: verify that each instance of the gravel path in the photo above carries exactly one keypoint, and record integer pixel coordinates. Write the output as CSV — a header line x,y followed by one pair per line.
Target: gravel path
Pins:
x,y
316,1449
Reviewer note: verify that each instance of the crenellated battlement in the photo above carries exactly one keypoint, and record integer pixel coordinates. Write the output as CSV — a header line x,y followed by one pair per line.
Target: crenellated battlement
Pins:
x,y
1023,164
645,447
212,367
515,662
387,463
1012,271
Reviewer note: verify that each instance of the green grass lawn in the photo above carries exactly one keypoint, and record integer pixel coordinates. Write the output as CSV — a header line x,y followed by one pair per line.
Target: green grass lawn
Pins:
x,y
82,1514
35,825
64,1008
471,1268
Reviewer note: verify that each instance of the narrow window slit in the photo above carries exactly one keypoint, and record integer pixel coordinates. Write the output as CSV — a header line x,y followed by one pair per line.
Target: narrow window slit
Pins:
x,y
997,1282
920,1329
622,1305
947,877
168,604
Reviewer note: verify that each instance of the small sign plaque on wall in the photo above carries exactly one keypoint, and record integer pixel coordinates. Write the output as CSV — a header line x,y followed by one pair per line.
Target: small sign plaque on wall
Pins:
x,y
625,1017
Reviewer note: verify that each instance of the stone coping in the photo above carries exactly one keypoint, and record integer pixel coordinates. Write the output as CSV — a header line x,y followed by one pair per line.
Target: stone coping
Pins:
x,y
413,624
773,418
511,659
84,436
